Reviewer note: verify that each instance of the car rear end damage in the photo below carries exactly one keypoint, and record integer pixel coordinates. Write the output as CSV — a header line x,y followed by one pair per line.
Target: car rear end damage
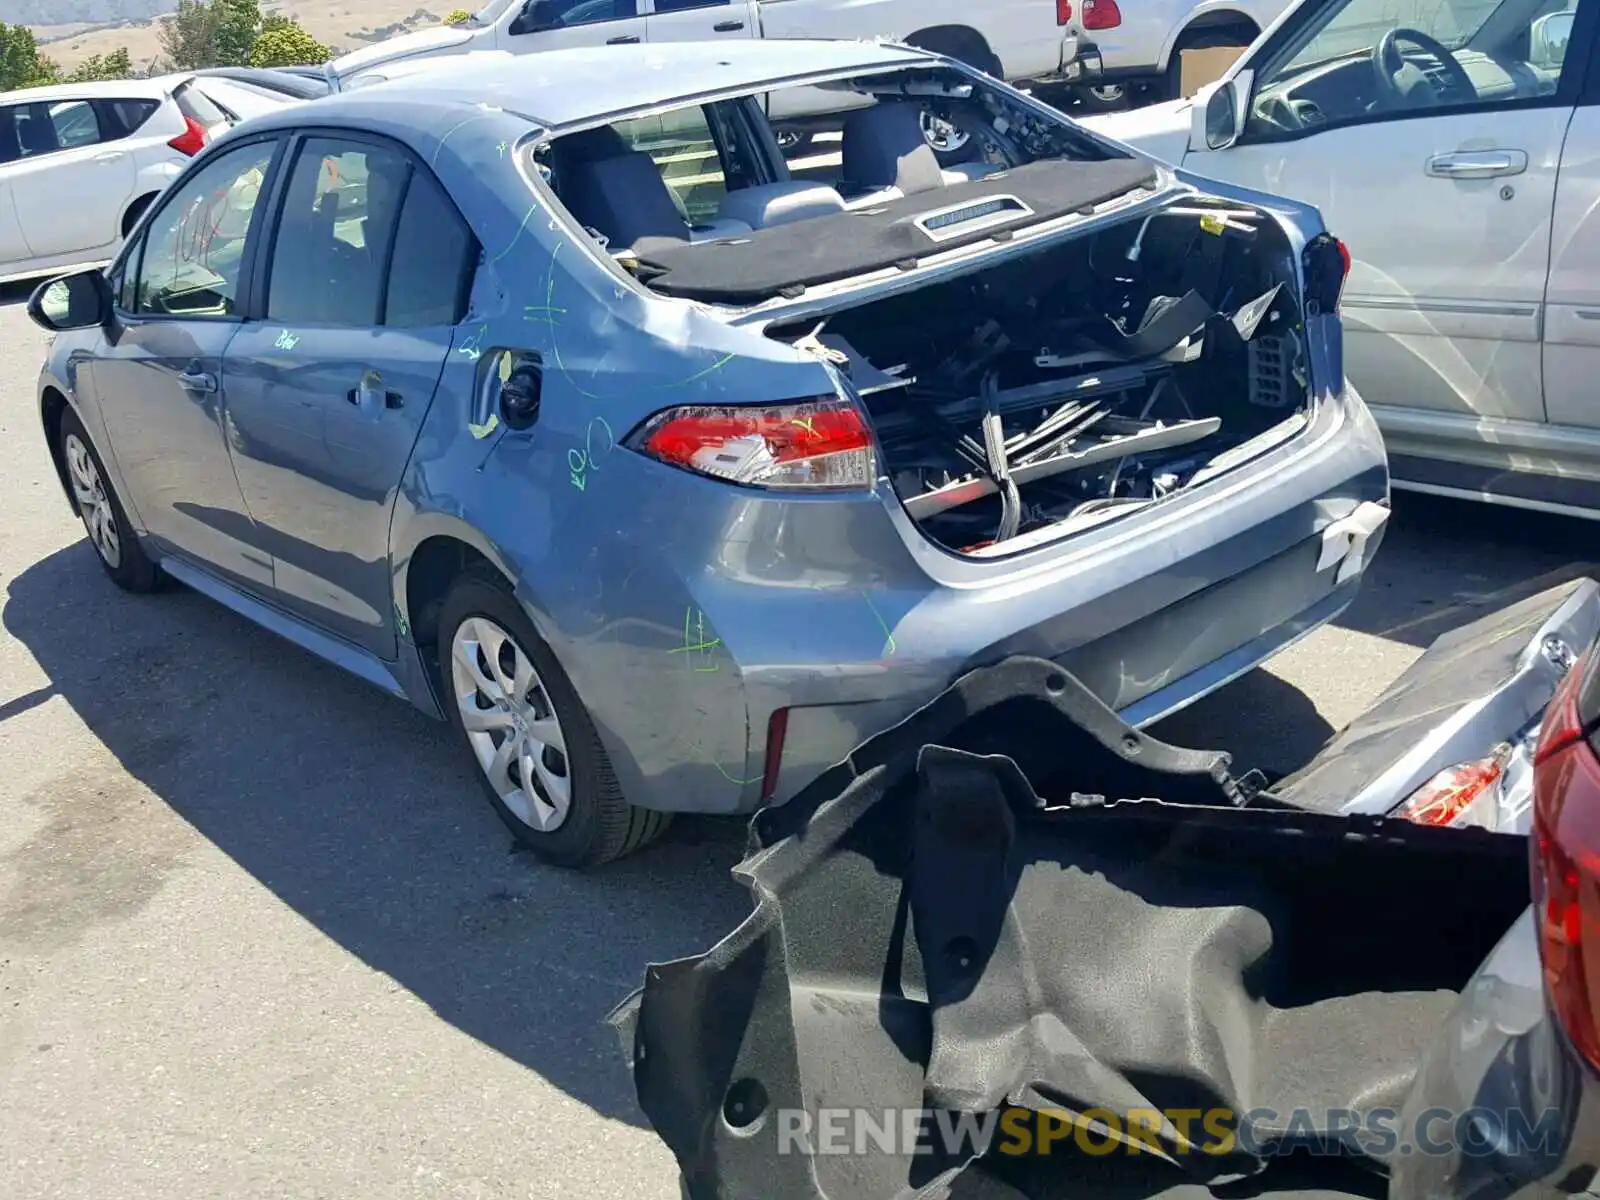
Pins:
x,y
1014,912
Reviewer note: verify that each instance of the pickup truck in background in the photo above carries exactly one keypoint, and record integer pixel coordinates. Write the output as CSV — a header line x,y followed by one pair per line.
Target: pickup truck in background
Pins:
x,y
1017,40
1137,45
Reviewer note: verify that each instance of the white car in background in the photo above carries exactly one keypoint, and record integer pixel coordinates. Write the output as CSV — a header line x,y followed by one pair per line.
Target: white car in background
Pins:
x,y
1016,40
1455,146
80,163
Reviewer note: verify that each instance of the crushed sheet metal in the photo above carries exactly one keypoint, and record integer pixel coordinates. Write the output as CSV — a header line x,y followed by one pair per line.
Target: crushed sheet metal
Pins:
x,y
928,933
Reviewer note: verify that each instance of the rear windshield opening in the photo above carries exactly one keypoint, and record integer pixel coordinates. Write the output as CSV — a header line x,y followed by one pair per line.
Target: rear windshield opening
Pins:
x,y
738,201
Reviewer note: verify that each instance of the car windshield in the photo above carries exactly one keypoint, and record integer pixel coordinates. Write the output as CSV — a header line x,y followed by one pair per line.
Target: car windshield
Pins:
x,y
1356,27
490,12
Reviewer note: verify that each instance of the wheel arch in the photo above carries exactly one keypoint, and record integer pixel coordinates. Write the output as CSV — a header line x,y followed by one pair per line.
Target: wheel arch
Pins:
x,y
136,208
53,406
960,42
1213,18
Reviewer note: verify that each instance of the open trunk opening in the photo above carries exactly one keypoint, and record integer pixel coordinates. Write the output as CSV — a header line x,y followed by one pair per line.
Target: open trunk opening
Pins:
x,y
1072,386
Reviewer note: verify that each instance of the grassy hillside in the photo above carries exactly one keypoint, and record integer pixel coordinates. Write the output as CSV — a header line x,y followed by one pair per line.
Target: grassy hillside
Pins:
x,y
342,24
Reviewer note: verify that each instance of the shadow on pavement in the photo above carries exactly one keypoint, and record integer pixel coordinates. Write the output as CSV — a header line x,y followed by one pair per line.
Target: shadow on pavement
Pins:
x,y
1445,563
365,818
357,812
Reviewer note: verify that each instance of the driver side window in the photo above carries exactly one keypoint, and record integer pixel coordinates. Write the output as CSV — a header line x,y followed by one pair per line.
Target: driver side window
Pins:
x,y
539,15
1366,60
194,244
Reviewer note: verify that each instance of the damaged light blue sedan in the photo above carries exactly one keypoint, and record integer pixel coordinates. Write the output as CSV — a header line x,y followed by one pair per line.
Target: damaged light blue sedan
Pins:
x,y
547,394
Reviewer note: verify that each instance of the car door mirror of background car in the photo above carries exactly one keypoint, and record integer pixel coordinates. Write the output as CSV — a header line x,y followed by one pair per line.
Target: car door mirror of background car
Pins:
x,y
1219,112
1548,39
80,301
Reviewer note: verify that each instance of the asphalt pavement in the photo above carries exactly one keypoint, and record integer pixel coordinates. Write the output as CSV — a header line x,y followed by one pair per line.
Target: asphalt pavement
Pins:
x,y
260,935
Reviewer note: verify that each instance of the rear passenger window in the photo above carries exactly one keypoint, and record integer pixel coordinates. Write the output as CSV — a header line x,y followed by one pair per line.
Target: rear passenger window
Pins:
x,y
334,234
434,257
124,117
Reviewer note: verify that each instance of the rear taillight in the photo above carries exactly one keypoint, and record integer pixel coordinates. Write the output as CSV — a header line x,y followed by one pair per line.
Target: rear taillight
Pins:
x,y
1466,794
1101,14
821,445
1565,849
192,140
1327,266
1063,11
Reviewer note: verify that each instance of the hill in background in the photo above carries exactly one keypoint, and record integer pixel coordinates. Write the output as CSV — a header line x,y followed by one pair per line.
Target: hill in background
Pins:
x,y
69,31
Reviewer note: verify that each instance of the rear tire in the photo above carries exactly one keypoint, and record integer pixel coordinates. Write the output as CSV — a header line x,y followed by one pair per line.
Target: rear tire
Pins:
x,y
104,519
1101,98
538,755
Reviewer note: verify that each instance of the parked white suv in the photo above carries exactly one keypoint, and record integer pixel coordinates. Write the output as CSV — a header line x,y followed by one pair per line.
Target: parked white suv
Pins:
x,y
79,163
1017,40
1140,43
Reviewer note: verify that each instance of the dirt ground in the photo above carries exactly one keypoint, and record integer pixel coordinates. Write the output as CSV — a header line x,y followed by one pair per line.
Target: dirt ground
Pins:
x,y
334,22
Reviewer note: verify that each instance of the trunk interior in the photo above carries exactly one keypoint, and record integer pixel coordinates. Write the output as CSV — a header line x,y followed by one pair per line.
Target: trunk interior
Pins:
x,y
1075,385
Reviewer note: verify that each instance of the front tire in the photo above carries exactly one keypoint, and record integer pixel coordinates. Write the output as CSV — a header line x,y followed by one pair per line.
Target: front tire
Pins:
x,y
104,519
538,754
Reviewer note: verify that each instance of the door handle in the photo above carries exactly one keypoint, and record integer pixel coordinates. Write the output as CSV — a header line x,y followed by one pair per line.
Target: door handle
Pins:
x,y
728,26
198,381
109,157
626,40
370,396
1477,164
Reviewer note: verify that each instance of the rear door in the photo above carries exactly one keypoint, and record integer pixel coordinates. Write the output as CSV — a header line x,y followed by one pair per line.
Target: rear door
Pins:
x,y
701,20
72,180
561,24
366,279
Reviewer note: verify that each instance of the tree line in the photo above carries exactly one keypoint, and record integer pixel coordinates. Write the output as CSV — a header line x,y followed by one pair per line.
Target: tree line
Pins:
x,y
201,33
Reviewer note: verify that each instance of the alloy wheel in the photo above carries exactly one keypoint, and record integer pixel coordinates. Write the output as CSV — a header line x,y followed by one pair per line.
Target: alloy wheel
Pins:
x,y
1110,93
943,135
94,503
511,722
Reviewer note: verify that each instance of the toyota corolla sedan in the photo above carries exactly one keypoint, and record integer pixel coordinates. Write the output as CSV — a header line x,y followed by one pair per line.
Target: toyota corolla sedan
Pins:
x,y
668,471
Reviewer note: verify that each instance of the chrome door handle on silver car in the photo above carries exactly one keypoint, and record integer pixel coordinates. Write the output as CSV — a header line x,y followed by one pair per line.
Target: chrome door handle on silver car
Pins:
x,y
1478,164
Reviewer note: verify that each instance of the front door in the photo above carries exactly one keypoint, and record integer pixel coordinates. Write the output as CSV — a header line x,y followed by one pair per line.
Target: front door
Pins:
x,y
326,396
562,24
1429,134
701,20
71,179
160,378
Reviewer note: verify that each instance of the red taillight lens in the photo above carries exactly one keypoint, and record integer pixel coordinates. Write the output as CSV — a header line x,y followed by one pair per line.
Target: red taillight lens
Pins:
x,y
1327,266
192,140
1565,849
1101,14
1461,795
820,445
1063,11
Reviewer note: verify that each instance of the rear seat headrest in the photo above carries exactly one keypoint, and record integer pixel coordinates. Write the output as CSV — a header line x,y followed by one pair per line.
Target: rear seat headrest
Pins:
x,y
884,147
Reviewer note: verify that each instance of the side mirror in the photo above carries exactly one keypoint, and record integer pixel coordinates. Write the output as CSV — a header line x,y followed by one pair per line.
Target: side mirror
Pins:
x,y
1547,39
80,301
1219,112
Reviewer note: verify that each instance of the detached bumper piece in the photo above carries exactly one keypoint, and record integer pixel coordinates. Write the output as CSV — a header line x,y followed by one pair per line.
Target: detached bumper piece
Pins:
x,y
1014,901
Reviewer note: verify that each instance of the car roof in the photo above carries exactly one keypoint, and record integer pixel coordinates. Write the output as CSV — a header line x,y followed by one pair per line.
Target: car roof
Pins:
x,y
561,87
154,89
